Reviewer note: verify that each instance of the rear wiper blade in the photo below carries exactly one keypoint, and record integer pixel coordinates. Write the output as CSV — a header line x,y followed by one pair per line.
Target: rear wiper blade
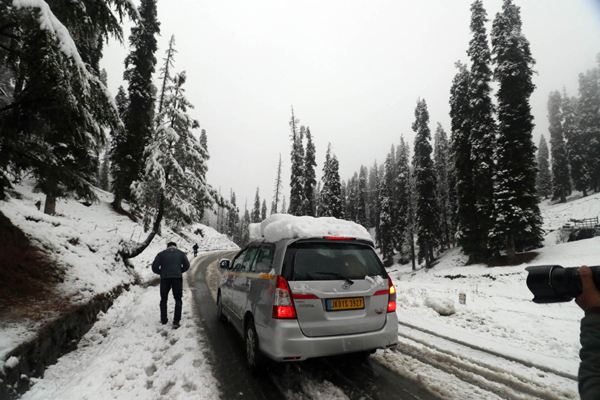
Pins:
x,y
336,275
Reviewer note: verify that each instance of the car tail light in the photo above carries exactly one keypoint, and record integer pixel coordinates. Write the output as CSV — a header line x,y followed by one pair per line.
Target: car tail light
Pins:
x,y
283,305
392,299
338,238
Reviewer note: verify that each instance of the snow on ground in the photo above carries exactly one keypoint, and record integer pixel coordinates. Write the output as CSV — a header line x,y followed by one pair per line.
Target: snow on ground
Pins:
x,y
498,314
128,354
83,240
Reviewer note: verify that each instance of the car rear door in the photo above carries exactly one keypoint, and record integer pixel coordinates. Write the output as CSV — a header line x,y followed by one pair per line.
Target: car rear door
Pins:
x,y
339,288
229,279
241,283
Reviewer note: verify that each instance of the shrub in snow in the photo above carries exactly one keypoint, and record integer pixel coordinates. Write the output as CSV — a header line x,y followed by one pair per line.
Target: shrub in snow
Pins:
x,y
441,306
11,362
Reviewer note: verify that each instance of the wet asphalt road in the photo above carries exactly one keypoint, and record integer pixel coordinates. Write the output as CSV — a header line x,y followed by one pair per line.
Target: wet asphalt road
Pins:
x,y
366,380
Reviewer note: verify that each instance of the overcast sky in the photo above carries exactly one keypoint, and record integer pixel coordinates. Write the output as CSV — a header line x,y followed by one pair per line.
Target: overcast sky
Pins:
x,y
352,70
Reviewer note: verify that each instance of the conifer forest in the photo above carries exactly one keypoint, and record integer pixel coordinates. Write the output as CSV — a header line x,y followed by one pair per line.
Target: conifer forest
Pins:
x,y
474,184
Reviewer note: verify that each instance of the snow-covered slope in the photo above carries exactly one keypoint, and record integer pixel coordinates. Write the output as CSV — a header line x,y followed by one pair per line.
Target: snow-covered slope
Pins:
x,y
83,241
498,313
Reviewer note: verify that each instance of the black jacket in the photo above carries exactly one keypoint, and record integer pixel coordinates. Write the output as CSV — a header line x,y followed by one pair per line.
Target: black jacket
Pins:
x,y
170,263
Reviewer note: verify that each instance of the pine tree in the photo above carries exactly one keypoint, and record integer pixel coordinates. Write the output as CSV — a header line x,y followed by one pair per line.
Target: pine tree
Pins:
x,y
351,198
256,211
174,181
576,146
373,207
331,194
297,199
310,179
139,122
560,165
442,165
232,218
466,215
54,106
426,213
263,211
482,127
386,223
517,216
284,209
588,115
104,179
544,178
362,197
278,189
165,75
403,200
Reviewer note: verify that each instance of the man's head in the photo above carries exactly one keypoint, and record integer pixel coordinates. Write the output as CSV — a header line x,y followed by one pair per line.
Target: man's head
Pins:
x,y
171,244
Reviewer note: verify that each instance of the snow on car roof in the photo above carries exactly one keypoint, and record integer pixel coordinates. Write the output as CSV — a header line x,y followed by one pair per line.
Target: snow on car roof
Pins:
x,y
286,226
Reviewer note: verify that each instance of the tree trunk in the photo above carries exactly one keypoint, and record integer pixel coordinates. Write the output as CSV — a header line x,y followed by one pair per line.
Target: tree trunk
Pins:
x,y
563,196
127,254
510,247
412,251
50,206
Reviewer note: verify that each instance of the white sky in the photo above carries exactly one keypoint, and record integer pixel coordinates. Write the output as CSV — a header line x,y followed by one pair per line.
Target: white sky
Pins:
x,y
353,71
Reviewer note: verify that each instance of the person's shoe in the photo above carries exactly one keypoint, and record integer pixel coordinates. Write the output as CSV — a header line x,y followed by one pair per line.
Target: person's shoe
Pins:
x,y
176,325
164,322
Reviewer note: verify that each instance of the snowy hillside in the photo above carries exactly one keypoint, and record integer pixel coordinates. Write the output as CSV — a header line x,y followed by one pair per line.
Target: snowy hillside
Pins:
x,y
498,314
83,241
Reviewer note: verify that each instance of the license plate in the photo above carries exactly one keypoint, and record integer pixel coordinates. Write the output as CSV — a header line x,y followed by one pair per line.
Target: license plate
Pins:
x,y
345,304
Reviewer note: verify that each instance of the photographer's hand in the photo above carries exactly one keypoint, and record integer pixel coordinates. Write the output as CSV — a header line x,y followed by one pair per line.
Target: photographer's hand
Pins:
x,y
590,297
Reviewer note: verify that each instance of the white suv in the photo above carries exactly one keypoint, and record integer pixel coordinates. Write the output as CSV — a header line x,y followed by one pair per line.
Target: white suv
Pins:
x,y
294,299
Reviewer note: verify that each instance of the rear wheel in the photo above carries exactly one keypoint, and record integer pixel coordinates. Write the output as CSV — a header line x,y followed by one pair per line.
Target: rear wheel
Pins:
x,y
254,358
220,314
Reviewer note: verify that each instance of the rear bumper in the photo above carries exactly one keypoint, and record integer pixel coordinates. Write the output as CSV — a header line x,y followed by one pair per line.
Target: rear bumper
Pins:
x,y
284,340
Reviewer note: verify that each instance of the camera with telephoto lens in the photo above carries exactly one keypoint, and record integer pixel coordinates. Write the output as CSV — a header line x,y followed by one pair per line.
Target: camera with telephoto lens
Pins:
x,y
555,284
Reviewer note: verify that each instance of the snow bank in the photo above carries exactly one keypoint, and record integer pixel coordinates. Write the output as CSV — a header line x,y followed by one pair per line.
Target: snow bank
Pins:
x,y
441,306
286,226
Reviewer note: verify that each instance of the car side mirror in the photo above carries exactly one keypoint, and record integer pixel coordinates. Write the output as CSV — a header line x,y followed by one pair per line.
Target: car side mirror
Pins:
x,y
224,263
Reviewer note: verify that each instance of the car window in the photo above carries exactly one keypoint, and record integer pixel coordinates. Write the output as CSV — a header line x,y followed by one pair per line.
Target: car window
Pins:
x,y
237,263
331,261
264,260
249,258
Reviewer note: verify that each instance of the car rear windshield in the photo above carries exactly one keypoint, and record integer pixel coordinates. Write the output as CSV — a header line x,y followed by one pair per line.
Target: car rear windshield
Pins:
x,y
330,261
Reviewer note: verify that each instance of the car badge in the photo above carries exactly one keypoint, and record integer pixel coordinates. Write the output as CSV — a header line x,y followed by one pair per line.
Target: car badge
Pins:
x,y
346,285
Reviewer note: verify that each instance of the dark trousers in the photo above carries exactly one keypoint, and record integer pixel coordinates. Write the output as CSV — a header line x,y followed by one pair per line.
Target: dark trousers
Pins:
x,y
166,284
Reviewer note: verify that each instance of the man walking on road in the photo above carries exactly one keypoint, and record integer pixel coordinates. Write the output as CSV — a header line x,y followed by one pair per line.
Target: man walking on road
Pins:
x,y
170,264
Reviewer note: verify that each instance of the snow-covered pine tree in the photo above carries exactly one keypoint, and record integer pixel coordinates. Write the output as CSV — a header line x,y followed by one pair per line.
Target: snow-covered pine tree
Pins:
x,y
55,106
256,210
576,146
482,127
427,223
165,75
263,210
403,200
362,197
442,164
140,63
284,209
310,179
516,214
297,198
373,206
174,180
460,115
588,113
386,224
331,194
317,199
561,180
104,179
245,236
278,189
351,198
232,218
544,177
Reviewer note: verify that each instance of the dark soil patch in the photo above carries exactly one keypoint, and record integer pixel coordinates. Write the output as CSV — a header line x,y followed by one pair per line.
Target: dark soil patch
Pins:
x,y
521,258
28,276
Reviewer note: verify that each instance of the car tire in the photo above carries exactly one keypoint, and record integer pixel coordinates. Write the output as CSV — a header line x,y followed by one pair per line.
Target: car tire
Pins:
x,y
254,358
220,314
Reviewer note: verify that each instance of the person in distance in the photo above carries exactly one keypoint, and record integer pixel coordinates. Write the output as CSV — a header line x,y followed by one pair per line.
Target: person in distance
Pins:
x,y
589,368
